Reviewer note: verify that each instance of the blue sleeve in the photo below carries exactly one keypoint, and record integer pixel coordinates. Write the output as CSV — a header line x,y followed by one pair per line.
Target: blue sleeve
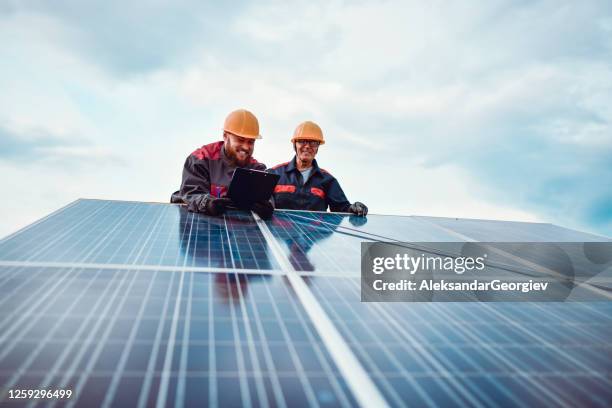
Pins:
x,y
336,199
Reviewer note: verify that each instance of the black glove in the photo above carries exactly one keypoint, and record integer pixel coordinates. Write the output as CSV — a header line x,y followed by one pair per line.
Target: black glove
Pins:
x,y
358,209
264,209
217,205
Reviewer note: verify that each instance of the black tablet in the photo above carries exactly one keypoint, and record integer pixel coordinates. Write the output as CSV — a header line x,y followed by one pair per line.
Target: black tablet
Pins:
x,y
248,186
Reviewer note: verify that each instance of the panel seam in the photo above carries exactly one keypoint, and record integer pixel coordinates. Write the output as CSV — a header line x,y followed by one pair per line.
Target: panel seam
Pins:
x,y
363,388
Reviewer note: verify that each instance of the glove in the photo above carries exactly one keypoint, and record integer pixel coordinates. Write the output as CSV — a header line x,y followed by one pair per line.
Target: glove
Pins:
x,y
358,209
264,209
216,205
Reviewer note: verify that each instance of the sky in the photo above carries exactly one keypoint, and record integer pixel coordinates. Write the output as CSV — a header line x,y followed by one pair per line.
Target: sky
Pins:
x,y
485,109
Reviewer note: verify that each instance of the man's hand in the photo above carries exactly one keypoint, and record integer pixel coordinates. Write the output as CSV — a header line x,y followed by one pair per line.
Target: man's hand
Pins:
x,y
358,209
217,206
264,209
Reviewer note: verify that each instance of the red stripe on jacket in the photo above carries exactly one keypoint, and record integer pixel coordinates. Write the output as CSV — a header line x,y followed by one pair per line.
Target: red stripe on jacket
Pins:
x,y
210,151
284,188
318,192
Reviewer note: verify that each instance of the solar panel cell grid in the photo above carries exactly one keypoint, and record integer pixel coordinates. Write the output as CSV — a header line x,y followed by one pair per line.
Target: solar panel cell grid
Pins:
x,y
319,243
385,227
134,304
121,233
102,329
454,347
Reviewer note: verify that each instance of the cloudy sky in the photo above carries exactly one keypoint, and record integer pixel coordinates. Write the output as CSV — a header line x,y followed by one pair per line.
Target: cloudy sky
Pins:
x,y
486,109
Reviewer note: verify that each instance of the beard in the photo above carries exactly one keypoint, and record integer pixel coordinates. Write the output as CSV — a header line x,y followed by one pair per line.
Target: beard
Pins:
x,y
232,155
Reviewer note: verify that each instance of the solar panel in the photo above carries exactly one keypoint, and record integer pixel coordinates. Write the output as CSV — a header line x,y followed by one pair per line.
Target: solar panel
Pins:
x,y
128,233
487,354
509,231
140,304
212,338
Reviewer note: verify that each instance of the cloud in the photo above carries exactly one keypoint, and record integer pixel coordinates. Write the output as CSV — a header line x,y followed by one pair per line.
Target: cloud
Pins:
x,y
496,110
35,147
13,147
129,38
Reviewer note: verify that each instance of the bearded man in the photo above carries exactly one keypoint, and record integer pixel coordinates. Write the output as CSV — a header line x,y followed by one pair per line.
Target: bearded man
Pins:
x,y
208,170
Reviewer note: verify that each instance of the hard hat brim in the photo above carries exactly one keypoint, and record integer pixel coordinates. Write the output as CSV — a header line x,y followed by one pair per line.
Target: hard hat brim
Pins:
x,y
246,136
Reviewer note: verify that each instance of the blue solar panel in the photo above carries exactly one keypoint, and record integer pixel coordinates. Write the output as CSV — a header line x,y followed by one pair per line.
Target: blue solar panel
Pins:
x,y
110,335
317,244
127,233
328,243
131,304
493,354
377,227
510,231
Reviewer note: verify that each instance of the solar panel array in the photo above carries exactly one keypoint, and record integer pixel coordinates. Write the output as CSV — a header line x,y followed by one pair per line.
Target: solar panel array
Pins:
x,y
141,304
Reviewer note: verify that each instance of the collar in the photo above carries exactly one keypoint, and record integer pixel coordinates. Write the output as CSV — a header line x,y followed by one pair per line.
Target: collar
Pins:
x,y
292,166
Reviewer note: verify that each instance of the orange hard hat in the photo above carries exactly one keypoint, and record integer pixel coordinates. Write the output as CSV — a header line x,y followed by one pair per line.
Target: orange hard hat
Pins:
x,y
308,131
242,123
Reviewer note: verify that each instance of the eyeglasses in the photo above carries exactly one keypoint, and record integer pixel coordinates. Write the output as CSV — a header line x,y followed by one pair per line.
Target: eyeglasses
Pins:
x,y
311,143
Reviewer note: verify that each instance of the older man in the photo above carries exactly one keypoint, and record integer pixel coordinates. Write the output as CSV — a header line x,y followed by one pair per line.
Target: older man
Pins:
x,y
303,185
208,170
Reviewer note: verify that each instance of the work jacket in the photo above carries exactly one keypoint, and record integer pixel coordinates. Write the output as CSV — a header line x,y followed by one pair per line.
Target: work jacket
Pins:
x,y
320,191
207,174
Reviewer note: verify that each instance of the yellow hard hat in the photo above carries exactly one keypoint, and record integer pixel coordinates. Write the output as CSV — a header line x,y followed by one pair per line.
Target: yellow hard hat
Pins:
x,y
242,123
308,131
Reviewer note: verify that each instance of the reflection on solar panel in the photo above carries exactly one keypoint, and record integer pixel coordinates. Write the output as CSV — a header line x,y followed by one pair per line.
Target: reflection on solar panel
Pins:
x,y
225,338
134,304
124,233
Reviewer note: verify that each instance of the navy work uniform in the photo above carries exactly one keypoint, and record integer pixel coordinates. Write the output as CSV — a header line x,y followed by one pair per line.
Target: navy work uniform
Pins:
x,y
319,192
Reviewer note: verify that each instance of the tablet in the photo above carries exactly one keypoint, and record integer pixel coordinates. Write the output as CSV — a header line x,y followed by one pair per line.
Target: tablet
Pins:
x,y
249,186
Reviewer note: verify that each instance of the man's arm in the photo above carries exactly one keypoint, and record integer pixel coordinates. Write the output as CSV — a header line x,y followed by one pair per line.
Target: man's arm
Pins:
x,y
336,199
195,187
339,203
